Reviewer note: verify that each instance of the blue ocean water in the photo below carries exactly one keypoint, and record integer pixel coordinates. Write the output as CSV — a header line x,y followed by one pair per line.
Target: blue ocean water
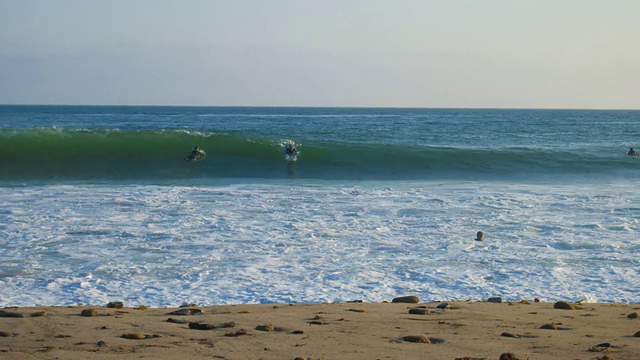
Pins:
x,y
98,204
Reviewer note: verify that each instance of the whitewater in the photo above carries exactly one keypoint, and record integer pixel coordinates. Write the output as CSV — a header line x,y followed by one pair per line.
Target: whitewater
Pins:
x,y
322,229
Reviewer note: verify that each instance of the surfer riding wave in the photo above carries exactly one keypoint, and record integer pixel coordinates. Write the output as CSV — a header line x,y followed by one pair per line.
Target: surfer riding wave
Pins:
x,y
196,154
291,149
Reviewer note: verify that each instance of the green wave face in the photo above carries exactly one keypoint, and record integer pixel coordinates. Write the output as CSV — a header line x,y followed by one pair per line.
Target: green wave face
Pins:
x,y
104,155
83,154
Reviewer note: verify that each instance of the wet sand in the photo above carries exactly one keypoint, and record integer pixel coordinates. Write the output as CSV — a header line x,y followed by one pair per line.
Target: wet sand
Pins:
x,y
452,330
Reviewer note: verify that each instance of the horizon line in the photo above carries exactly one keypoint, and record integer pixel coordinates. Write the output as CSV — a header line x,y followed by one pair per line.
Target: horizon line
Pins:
x,y
324,107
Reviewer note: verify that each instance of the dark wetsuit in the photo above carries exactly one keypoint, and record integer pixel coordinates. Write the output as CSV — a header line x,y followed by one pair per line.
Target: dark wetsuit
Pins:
x,y
195,154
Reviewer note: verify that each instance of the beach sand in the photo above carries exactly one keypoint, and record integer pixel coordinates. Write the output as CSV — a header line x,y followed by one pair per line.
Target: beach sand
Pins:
x,y
358,330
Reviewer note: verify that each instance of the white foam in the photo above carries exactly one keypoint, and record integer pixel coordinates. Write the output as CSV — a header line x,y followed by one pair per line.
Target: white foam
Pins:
x,y
163,246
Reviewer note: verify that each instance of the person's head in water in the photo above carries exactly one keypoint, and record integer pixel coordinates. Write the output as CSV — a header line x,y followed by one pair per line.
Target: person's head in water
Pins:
x,y
480,236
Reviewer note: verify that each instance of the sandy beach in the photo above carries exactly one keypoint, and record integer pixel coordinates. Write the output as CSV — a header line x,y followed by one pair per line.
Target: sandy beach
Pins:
x,y
353,330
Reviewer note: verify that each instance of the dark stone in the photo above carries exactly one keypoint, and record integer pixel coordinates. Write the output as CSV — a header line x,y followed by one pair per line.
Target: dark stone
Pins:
x,y
419,311
89,312
10,314
416,339
508,356
406,299
549,327
506,334
176,321
186,312
564,306
115,305
198,326
267,327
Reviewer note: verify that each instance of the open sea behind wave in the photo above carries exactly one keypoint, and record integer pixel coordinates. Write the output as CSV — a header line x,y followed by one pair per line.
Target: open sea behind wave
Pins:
x,y
97,204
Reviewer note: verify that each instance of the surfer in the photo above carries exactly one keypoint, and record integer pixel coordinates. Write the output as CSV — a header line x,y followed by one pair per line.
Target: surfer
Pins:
x,y
196,154
632,152
291,149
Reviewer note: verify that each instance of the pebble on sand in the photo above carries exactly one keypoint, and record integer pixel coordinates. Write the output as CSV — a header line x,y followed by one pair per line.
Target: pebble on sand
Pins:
x,y
176,321
508,356
267,327
185,311
515,336
89,312
417,339
199,326
549,327
134,336
632,316
6,334
4,313
115,305
40,314
406,299
419,311
565,306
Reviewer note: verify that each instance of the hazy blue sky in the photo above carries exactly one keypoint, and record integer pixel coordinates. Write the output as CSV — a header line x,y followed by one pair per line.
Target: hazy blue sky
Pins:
x,y
422,53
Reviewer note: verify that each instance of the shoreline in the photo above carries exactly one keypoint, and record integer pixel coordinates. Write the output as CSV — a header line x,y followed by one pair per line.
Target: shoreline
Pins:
x,y
353,330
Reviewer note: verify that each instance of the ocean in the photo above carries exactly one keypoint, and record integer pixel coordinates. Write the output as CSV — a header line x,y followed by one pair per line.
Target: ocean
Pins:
x,y
98,204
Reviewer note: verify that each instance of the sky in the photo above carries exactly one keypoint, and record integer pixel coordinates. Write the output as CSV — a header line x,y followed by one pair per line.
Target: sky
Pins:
x,y
338,53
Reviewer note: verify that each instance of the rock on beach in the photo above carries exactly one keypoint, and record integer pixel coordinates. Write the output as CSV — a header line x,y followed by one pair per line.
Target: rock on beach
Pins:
x,y
406,299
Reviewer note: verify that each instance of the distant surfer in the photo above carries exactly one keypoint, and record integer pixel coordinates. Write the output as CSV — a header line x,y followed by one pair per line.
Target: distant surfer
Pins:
x,y
196,154
291,149
632,152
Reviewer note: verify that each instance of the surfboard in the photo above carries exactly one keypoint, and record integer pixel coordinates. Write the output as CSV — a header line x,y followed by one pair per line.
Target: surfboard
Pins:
x,y
196,158
291,158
